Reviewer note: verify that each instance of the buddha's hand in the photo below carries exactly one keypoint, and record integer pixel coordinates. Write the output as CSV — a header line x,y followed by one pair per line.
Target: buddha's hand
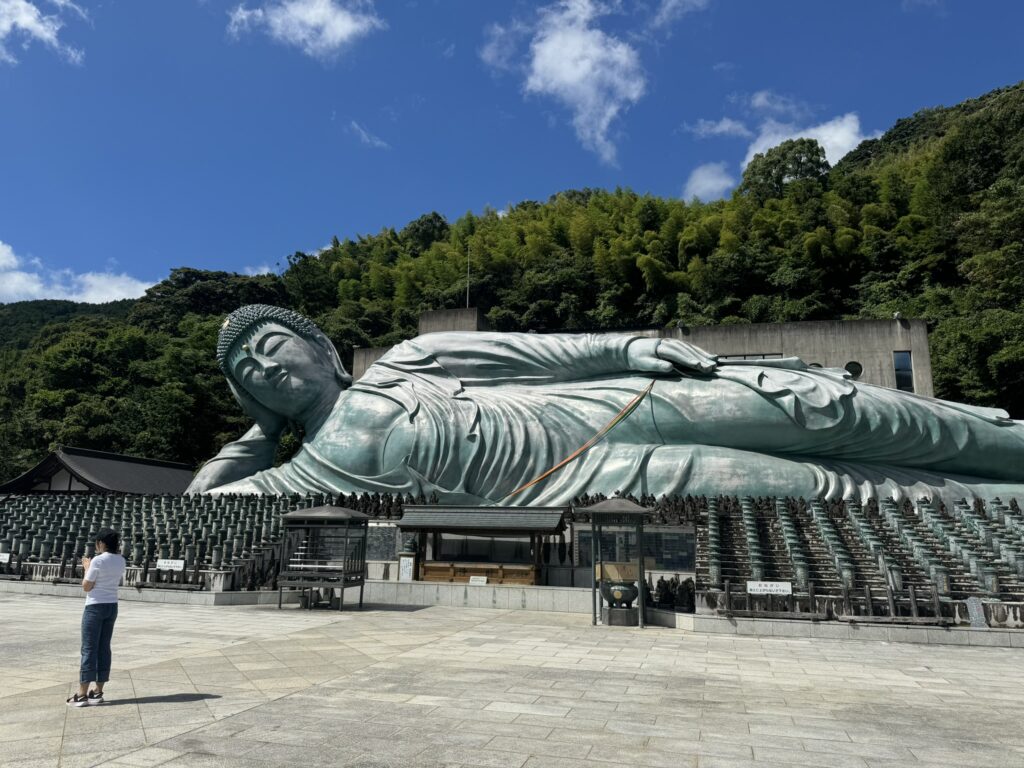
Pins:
x,y
668,355
271,423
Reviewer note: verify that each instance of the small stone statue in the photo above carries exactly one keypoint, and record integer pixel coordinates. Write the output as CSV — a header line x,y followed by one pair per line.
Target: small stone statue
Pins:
x,y
686,596
661,592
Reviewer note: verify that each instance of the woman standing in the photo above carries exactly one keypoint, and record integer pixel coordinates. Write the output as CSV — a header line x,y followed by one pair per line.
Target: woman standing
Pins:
x,y
103,574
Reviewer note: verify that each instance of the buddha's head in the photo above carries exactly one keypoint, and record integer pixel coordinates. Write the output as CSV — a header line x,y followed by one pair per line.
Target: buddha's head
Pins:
x,y
278,358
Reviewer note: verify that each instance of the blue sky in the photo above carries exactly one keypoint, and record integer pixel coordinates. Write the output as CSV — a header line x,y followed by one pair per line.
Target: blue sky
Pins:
x,y
141,135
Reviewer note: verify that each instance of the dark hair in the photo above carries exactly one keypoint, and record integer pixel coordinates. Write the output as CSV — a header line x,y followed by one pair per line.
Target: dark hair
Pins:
x,y
110,538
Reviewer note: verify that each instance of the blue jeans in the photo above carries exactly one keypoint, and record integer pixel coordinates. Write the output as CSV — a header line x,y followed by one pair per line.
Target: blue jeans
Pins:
x,y
97,628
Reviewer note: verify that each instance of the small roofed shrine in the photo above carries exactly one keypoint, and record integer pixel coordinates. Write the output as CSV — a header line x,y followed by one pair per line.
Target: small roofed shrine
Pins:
x,y
481,545
324,553
83,470
620,583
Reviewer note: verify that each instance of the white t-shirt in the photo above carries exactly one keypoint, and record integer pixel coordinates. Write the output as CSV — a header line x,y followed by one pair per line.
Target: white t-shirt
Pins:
x,y
106,570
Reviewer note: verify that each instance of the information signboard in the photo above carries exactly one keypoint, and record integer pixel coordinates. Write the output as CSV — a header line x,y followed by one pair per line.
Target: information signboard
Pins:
x,y
769,588
170,565
405,567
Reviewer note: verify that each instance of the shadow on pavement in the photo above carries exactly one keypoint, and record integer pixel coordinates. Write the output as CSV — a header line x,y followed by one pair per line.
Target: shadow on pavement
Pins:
x,y
171,698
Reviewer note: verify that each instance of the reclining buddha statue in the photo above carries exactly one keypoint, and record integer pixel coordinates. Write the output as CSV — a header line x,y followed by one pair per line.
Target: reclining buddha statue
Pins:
x,y
516,419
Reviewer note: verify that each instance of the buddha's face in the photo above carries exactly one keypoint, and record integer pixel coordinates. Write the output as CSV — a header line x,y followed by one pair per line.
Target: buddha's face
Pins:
x,y
283,371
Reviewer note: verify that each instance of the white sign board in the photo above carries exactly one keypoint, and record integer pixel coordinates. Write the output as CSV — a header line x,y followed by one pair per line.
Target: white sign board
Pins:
x,y
769,588
5,557
477,579
170,565
405,567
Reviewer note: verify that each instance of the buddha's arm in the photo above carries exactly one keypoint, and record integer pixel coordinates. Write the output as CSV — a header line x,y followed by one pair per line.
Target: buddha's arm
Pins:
x,y
361,448
480,358
239,459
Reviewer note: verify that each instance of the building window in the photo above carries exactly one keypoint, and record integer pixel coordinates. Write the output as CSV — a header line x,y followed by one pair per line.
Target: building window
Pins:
x,y
904,367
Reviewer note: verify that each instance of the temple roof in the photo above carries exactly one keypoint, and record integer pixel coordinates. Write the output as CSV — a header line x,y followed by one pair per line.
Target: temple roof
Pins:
x,y
100,471
616,506
492,521
325,514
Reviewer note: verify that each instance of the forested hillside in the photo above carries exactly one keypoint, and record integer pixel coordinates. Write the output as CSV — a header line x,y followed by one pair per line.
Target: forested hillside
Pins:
x,y
927,220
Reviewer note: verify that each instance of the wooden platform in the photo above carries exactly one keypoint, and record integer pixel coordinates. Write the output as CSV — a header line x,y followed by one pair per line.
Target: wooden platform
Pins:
x,y
496,573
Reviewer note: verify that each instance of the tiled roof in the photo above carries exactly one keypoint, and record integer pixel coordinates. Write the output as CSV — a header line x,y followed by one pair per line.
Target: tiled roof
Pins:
x,y
103,471
491,519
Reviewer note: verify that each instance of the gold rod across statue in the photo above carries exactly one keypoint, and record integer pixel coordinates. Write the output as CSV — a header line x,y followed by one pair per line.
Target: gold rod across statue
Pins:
x,y
621,416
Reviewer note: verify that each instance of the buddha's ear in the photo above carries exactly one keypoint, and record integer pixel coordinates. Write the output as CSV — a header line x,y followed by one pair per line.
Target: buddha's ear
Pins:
x,y
334,360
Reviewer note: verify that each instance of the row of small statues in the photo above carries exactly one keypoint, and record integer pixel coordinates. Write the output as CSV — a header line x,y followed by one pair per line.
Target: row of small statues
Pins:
x,y
673,593
838,507
663,510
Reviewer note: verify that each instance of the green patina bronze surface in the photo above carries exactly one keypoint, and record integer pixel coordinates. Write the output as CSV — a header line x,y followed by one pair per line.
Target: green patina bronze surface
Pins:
x,y
474,416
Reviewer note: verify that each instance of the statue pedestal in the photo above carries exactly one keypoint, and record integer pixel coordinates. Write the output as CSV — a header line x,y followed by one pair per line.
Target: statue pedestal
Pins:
x,y
620,617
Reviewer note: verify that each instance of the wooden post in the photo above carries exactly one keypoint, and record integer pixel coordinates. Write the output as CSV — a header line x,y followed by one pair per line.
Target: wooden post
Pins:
x,y
728,596
640,571
346,562
593,576
892,601
867,600
913,601
538,563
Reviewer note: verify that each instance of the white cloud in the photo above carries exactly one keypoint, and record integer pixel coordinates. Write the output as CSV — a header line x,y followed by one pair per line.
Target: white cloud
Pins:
x,y
7,258
242,19
20,284
68,5
564,55
670,11
321,28
708,182
772,103
368,138
99,287
596,75
502,43
724,127
939,6
22,20
262,269
836,136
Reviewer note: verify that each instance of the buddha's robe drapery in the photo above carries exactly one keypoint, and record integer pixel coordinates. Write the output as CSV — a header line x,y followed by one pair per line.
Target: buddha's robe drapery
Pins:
x,y
492,411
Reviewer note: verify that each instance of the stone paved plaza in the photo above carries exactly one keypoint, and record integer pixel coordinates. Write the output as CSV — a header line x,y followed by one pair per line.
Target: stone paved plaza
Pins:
x,y
196,686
